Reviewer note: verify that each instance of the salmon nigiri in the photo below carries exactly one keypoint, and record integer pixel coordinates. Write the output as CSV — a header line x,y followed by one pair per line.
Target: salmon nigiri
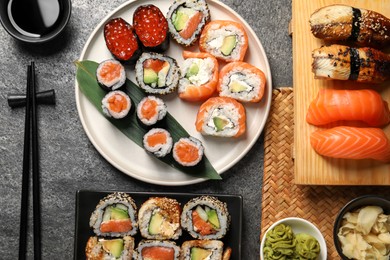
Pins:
x,y
352,143
200,76
333,105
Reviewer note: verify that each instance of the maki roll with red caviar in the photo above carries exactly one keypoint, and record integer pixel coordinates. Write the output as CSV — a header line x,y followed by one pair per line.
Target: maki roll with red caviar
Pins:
x,y
159,218
116,104
121,40
205,217
158,142
115,216
188,151
111,74
116,248
186,19
157,249
150,110
151,27
157,73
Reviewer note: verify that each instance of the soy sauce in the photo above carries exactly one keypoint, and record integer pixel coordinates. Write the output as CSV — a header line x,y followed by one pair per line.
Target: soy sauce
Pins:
x,y
34,18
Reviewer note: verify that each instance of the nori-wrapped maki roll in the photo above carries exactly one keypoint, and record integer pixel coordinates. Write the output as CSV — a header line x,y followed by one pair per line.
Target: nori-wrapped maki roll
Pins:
x,y
122,41
151,27
150,110
116,104
186,19
158,142
157,249
110,74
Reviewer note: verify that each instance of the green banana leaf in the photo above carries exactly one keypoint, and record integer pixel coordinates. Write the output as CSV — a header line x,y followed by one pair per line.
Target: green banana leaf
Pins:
x,y
86,78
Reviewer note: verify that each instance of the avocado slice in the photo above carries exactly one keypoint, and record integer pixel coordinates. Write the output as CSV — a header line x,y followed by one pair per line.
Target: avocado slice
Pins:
x,y
180,20
220,123
198,253
150,76
229,43
114,247
237,86
117,213
213,218
192,70
155,223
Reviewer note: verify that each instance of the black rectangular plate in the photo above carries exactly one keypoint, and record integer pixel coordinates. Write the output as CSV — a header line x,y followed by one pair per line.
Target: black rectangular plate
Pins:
x,y
86,202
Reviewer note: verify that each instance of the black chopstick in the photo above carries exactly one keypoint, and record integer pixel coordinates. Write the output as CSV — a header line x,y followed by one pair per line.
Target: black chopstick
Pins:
x,y
25,174
35,170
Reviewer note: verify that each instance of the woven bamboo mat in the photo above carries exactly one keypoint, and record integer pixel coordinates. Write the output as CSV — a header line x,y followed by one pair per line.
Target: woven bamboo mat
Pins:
x,y
281,198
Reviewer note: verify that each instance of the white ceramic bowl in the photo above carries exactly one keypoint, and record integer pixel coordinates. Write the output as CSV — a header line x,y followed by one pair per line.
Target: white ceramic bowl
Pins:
x,y
299,225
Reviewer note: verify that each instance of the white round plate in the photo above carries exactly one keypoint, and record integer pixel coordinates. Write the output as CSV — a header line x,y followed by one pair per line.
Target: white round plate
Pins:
x,y
131,159
299,225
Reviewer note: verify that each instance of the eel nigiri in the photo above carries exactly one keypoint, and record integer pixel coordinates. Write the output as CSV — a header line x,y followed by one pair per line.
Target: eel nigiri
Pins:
x,y
332,105
352,143
355,25
341,62
199,76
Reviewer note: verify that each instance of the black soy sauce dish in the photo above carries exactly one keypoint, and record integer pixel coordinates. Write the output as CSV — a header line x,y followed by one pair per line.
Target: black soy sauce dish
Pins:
x,y
35,21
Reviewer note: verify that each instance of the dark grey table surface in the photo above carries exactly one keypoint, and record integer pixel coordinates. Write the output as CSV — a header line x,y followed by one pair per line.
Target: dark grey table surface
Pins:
x,y
68,160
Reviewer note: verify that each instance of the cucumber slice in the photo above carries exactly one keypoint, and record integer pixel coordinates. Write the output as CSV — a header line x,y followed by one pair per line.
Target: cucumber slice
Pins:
x,y
201,212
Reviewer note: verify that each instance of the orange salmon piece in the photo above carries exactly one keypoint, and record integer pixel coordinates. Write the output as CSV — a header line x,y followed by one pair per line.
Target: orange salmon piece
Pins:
x,y
201,226
158,253
191,26
156,139
117,103
187,152
154,64
110,71
149,108
118,225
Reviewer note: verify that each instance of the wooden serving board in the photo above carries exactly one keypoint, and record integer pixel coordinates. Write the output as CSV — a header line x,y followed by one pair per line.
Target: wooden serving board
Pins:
x,y
311,168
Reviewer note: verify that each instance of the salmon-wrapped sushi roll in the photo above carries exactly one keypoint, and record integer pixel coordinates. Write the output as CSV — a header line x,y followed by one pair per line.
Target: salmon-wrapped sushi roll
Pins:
x,y
226,40
199,76
241,81
221,116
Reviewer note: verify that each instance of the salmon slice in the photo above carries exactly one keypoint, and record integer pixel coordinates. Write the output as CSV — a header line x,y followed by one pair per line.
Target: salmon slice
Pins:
x,y
201,226
117,225
352,143
191,25
117,103
149,109
156,139
333,105
155,64
158,253
187,152
110,71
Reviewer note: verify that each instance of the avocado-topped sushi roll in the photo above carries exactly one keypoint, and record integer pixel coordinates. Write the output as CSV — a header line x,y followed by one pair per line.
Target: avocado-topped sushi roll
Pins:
x,y
226,40
116,104
199,76
151,27
205,217
116,248
157,73
121,40
157,249
204,250
241,81
115,215
111,74
186,19
221,116
188,151
150,110
158,142
159,218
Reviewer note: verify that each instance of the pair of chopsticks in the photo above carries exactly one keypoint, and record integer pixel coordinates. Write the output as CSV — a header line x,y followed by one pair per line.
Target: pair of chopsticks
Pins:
x,y
30,130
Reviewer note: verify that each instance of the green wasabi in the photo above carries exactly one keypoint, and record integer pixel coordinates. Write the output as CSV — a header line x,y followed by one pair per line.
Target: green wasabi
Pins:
x,y
307,247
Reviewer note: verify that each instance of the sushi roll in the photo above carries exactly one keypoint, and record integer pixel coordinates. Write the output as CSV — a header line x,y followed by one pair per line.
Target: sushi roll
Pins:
x,y
111,74
205,217
204,250
151,27
150,110
158,142
241,81
116,104
157,73
157,249
222,117
117,248
199,76
186,20
159,218
188,151
122,41
226,40
114,216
